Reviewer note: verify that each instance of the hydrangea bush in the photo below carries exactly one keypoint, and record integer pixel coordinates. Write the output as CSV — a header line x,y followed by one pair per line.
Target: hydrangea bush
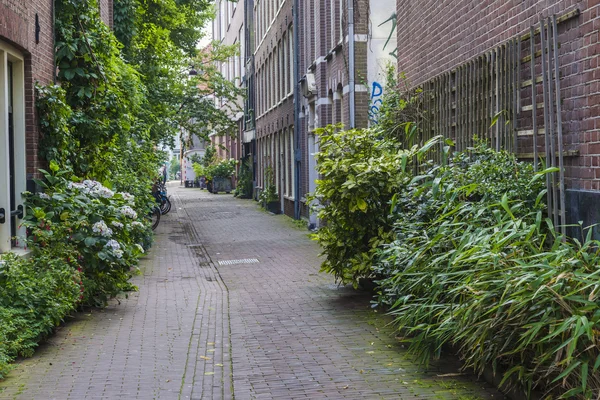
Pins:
x,y
102,228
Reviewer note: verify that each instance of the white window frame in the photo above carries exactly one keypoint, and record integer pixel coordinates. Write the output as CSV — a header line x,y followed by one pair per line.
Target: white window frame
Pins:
x,y
286,160
12,55
293,180
291,59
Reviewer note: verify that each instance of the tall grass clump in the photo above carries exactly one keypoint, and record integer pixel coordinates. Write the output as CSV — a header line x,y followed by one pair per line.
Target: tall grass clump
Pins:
x,y
474,264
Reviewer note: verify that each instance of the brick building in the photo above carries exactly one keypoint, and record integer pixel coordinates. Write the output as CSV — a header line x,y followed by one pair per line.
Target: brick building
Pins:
x,y
229,29
273,57
458,45
329,55
324,48
26,57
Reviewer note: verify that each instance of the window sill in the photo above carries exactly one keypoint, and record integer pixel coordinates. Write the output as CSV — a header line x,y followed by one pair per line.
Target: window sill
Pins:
x,y
25,253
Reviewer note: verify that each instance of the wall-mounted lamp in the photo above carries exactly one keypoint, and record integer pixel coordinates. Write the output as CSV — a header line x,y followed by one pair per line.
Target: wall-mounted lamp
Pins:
x,y
193,72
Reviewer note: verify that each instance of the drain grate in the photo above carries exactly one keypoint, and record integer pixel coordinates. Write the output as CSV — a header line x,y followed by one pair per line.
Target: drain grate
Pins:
x,y
242,261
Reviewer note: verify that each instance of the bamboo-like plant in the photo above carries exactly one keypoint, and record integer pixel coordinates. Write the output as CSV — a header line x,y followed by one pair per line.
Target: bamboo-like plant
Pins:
x,y
475,265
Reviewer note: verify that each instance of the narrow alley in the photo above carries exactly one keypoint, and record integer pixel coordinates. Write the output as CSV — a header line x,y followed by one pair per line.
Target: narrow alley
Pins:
x,y
231,305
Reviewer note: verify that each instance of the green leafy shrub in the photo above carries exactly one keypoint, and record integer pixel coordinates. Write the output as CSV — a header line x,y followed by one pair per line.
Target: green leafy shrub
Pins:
x,y
222,169
35,296
269,192
474,264
244,187
100,226
360,172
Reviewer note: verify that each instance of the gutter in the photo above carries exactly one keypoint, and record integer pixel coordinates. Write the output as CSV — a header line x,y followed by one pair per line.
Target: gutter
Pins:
x,y
351,66
297,153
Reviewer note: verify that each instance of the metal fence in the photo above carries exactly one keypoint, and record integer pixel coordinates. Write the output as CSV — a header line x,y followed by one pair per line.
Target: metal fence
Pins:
x,y
510,97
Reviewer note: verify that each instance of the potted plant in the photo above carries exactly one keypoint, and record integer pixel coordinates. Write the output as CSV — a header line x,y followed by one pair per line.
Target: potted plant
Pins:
x,y
221,173
268,196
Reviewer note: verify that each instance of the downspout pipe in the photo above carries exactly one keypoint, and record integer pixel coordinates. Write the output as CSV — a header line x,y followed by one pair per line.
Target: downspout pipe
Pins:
x,y
351,66
297,152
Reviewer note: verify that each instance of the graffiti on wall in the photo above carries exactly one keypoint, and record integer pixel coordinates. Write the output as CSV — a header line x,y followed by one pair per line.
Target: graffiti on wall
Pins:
x,y
382,51
393,22
376,102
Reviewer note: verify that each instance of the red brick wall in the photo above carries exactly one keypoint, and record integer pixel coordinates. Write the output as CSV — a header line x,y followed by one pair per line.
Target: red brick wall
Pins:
x,y
17,26
106,12
331,69
434,36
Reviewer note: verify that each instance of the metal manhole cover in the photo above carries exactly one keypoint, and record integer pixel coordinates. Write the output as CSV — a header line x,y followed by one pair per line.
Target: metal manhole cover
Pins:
x,y
242,261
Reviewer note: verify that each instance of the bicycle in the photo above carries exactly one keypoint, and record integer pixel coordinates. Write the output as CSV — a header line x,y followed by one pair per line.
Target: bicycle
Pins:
x,y
160,194
155,216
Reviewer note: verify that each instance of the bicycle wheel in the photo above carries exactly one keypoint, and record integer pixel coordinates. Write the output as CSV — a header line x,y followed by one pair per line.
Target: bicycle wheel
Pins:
x,y
155,217
165,207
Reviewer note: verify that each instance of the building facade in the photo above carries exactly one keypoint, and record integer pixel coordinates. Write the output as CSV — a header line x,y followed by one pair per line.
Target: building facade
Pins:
x,y
278,131
460,43
229,29
345,49
273,57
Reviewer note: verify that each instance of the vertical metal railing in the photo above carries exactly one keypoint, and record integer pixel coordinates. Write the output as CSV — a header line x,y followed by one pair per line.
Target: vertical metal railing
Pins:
x,y
462,103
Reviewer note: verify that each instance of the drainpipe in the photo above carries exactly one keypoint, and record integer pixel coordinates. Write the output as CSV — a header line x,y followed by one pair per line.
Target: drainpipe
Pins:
x,y
351,67
54,73
297,155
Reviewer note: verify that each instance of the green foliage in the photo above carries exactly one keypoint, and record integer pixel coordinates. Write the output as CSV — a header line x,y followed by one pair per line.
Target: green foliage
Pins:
x,y
244,187
473,264
57,141
35,296
222,169
174,167
269,192
401,107
210,166
96,226
124,22
360,173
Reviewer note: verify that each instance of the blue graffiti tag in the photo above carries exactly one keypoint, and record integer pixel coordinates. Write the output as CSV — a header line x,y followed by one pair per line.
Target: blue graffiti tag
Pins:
x,y
376,102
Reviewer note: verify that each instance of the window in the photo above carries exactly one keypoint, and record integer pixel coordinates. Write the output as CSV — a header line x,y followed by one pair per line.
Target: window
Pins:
x,y
286,161
242,54
341,19
279,74
222,14
291,59
236,65
277,156
292,188
284,65
12,145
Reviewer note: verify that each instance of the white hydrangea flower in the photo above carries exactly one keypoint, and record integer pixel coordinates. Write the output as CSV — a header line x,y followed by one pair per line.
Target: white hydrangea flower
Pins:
x,y
140,248
137,224
128,212
117,224
127,197
101,191
118,253
91,184
113,245
79,186
43,196
101,228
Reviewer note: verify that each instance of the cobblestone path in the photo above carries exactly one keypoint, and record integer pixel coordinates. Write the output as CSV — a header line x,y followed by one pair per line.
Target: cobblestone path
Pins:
x,y
231,305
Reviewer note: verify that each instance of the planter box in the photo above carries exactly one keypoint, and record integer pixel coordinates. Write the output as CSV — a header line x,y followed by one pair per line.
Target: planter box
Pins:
x,y
221,185
273,207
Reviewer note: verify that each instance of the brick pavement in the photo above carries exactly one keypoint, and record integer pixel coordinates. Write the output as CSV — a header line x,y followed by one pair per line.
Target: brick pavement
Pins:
x,y
276,329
